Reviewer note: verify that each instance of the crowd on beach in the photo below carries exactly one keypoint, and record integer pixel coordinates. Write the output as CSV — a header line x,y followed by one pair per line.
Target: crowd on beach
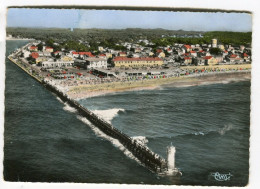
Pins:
x,y
95,81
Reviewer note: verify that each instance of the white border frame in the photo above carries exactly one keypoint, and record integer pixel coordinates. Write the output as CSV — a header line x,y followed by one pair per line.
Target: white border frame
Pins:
x,y
244,5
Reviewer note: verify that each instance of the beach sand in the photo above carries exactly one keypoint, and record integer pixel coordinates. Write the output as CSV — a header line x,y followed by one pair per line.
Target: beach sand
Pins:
x,y
87,91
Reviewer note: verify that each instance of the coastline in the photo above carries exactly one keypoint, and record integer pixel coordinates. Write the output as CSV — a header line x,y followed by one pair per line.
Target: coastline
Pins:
x,y
16,39
88,91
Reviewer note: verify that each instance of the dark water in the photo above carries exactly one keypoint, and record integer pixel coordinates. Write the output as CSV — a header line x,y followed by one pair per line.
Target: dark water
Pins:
x,y
208,125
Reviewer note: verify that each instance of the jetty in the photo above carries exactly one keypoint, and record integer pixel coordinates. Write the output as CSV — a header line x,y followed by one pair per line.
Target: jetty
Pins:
x,y
148,158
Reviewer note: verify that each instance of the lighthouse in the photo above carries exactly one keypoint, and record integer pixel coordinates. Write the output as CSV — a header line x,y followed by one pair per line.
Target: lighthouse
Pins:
x,y
171,169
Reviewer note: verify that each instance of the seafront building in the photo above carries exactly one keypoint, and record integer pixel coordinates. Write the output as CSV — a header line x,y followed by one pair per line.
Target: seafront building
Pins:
x,y
124,62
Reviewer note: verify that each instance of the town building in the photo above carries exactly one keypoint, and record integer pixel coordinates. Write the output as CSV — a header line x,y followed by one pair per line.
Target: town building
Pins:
x,y
33,48
49,49
123,62
93,62
214,43
57,64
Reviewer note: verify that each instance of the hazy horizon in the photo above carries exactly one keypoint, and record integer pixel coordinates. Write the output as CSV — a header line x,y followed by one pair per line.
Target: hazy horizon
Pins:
x,y
42,27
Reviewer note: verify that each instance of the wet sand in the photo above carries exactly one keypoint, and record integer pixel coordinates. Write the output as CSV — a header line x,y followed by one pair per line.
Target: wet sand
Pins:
x,y
87,91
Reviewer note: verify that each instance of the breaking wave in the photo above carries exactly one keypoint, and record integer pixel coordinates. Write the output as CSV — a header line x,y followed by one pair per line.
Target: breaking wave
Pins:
x,y
199,133
109,114
69,108
225,129
59,100
115,142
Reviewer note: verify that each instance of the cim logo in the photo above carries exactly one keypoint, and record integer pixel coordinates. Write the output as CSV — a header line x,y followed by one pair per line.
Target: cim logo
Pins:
x,y
221,177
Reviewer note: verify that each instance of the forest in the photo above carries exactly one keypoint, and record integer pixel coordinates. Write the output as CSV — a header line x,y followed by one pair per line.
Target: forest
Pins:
x,y
90,39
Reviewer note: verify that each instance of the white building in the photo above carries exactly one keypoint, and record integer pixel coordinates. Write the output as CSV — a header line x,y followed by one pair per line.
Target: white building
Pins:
x,y
214,43
96,63
57,64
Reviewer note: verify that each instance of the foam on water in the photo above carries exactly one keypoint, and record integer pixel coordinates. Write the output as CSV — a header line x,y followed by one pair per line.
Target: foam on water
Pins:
x,y
69,108
115,142
140,139
59,100
109,114
199,133
225,129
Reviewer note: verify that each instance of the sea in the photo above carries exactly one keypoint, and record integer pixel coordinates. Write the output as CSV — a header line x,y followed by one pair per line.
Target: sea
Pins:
x,y
46,140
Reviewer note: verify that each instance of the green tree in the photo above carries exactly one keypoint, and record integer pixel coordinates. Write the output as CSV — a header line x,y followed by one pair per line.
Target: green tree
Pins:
x,y
215,51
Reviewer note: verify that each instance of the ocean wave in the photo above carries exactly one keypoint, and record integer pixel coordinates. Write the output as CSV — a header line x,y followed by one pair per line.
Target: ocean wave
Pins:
x,y
225,129
199,133
109,114
140,139
115,142
69,108
59,100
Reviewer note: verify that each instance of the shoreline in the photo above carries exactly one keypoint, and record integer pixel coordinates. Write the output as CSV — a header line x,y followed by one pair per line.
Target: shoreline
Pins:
x,y
88,91
21,39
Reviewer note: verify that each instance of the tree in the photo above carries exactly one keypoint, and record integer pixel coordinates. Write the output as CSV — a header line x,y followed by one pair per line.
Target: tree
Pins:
x,y
40,46
215,51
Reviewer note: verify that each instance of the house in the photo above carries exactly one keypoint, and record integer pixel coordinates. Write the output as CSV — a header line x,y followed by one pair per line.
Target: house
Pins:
x,y
246,57
200,61
193,53
187,48
82,54
187,60
169,50
93,62
100,48
57,53
34,55
122,54
33,48
49,49
210,60
41,59
66,58
137,62
102,56
161,55
138,50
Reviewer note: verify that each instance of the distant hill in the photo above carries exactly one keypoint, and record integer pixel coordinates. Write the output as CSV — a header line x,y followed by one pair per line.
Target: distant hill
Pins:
x,y
131,34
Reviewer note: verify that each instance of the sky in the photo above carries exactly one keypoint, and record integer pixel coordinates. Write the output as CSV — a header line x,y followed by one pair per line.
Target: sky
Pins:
x,y
119,19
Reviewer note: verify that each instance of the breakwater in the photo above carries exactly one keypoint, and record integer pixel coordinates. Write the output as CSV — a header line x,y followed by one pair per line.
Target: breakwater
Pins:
x,y
148,158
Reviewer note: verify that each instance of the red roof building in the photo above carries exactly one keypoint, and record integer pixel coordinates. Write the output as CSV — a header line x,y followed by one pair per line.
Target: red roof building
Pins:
x,y
118,58
207,57
89,54
159,50
245,55
33,48
233,56
187,46
34,55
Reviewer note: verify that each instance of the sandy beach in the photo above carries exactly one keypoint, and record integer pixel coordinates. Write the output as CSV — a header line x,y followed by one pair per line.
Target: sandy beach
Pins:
x,y
87,91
